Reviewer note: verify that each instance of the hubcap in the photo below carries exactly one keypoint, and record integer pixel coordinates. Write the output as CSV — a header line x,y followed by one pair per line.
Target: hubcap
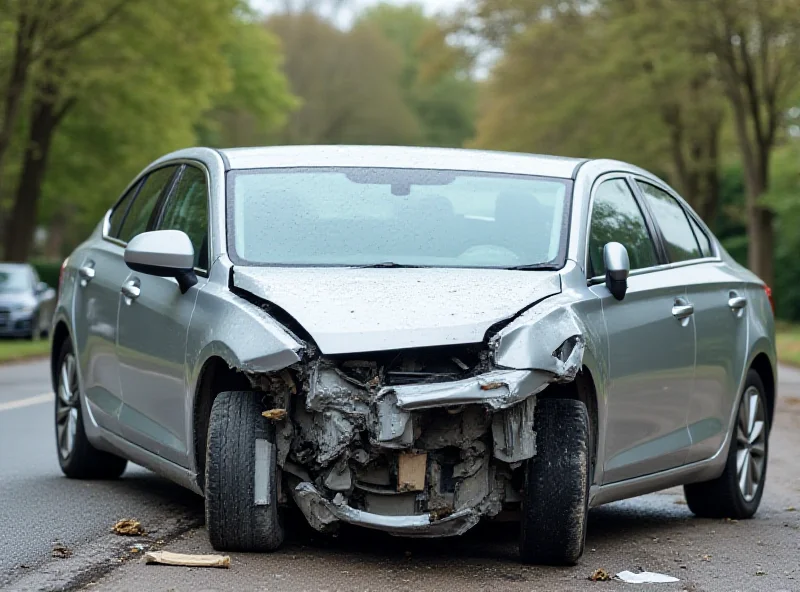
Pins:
x,y
67,406
751,439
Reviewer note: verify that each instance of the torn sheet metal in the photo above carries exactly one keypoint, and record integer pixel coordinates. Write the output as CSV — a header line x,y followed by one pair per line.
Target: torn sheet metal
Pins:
x,y
498,389
392,426
545,338
322,514
513,432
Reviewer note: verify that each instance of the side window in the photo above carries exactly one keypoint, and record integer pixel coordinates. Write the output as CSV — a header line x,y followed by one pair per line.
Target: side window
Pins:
x,y
702,238
678,236
616,217
142,207
187,210
118,215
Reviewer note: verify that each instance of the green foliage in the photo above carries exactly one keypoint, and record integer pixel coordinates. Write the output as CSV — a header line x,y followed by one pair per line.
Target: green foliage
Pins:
x,y
348,83
157,77
48,271
435,81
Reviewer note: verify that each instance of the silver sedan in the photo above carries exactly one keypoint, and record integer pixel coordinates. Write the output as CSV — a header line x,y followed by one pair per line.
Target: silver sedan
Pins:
x,y
412,340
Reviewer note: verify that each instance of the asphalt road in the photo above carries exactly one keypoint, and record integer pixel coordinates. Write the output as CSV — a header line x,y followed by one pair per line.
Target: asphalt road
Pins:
x,y
38,507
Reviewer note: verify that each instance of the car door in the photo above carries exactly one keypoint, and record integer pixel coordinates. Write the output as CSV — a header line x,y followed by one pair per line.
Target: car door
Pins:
x,y
650,339
719,300
101,271
152,331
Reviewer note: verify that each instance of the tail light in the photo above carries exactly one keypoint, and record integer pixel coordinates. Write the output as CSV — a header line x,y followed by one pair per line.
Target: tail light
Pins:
x,y
768,290
61,274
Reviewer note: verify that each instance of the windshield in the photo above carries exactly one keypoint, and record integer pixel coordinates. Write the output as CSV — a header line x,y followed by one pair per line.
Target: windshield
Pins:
x,y
14,280
395,217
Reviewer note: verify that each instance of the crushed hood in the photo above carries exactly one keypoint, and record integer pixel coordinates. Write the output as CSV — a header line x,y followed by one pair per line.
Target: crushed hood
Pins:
x,y
349,310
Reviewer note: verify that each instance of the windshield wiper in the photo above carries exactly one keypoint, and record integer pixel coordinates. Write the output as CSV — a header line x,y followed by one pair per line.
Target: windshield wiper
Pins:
x,y
535,267
385,265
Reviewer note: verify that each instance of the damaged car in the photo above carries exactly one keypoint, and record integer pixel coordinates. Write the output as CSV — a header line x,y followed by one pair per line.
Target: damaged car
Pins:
x,y
412,340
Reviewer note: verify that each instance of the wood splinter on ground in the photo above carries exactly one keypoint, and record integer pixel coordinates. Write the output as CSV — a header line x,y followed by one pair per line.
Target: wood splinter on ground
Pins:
x,y
187,560
275,414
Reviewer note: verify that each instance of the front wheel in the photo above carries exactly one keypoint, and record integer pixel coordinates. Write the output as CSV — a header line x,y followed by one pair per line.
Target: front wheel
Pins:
x,y
242,477
737,492
556,496
76,455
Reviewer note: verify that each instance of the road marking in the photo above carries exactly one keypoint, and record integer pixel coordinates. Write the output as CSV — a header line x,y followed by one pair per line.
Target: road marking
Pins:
x,y
19,403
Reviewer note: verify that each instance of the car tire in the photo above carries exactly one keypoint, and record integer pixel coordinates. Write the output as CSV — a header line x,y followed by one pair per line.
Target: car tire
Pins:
x,y
556,493
235,521
737,494
76,455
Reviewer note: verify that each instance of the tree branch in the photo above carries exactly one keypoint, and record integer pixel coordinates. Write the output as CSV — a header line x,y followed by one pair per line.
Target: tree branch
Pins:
x,y
90,29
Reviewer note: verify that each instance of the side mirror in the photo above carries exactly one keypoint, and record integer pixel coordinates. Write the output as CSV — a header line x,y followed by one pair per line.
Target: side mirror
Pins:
x,y
164,253
41,288
618,266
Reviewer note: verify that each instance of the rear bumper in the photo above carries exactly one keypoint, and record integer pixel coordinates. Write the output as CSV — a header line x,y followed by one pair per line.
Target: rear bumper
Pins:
x,y
322,514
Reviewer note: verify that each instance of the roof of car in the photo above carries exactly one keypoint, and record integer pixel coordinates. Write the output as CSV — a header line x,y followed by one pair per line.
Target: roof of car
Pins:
x,y
13,266
401,157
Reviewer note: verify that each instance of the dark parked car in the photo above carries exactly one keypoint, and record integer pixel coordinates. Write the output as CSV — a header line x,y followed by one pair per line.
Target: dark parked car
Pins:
x,y
26,303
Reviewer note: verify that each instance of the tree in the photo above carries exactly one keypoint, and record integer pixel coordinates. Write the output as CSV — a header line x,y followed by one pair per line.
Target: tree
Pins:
x,y
601,79
436,81
122,98
41,29
755,48
348,81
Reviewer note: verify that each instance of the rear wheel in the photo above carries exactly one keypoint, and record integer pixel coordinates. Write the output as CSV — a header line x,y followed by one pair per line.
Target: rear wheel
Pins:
x,y
737,492
556,494
242,477
76,455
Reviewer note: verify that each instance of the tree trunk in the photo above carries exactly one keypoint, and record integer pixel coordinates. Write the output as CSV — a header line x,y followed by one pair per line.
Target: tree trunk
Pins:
x,y
15,89
761,242
22,224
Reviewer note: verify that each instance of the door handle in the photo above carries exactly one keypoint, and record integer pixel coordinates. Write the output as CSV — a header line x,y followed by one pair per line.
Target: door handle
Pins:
x,y
87,273
737,302
681,311
131,290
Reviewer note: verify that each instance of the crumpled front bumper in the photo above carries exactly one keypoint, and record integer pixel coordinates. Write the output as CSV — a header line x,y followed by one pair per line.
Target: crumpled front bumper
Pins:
x,y
323,514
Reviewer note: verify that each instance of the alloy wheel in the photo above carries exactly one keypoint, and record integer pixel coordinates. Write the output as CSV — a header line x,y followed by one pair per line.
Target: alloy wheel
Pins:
x,y
751,438
67,402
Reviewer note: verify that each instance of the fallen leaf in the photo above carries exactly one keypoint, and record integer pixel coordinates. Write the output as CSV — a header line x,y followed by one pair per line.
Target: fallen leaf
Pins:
x,y
761,573
61,552
791,509
600,575
680,502
128,527
706,557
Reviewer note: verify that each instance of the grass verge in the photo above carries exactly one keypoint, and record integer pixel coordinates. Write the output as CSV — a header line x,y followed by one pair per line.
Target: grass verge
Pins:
x,y
12,350
787,337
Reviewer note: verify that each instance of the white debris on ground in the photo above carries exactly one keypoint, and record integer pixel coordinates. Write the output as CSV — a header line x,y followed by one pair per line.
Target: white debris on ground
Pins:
x,y
645,577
